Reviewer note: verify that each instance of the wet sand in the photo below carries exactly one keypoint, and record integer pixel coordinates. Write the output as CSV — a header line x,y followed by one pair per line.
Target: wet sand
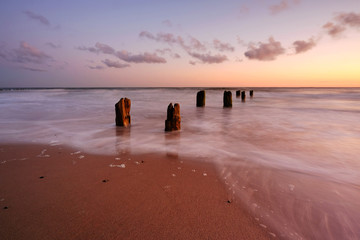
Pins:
x,y
61,193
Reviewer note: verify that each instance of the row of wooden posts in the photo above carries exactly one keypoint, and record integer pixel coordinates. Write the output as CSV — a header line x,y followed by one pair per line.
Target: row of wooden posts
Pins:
x,y
173,120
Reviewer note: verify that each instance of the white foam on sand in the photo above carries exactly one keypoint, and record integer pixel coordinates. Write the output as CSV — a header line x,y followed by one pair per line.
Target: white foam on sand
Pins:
x,y
75,153
117,165
43,155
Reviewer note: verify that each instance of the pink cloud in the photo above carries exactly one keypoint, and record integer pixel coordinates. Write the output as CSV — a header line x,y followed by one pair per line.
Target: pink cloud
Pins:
x,y
208,58
33,69
114,64
222,47
303,46
41,19
139,58
342,21
196,44
171,39
97,67
265,51
162,37
175,55
29,54
167,51
104,48
125,55
334,30
192,45
351,19
90,49
282,6
244,10
53,45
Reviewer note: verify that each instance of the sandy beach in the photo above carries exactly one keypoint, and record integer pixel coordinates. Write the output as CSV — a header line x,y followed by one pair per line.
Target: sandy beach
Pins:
x,y
55,192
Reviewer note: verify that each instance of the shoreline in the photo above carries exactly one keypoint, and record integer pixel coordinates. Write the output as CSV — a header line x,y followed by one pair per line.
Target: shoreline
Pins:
x,y
56,192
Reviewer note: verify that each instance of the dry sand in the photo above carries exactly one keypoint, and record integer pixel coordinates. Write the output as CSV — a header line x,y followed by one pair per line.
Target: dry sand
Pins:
x,y
60,193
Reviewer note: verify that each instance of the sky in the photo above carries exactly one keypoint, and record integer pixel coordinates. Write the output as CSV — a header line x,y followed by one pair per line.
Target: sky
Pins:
x,y
168,43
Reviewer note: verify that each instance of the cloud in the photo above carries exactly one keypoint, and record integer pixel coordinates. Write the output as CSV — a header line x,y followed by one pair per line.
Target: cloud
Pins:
x,y
114,64
124,55
39,18
98,67
53,45
140,58
99,48
171,39
34,69
222,47
334,30
282,6
163,51
162,37
26,57
208,58
196,44
3,52
29,54
342,20
265,51
244,9
90,49
350,19
175,55
192,63
167,51
191,46
303,46
106,49
241,41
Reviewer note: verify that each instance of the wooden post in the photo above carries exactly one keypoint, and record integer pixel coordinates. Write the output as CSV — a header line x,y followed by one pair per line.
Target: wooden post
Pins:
x,y
251,93
200,99
122,112
173,121
243,96
227,99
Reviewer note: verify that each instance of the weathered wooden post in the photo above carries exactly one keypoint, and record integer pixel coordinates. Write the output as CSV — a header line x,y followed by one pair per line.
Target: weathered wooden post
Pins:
x,y
200,99
238,93
251,93
122,112
173,121
243,96
227,99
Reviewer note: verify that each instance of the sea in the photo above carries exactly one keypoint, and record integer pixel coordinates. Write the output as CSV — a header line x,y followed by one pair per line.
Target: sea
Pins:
x,y
291,156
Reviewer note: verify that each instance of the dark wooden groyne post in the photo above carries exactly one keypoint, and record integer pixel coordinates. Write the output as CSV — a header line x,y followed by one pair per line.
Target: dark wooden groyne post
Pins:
x,y
251,93
200,99
173,121
122,112
243,96
227,99
238,93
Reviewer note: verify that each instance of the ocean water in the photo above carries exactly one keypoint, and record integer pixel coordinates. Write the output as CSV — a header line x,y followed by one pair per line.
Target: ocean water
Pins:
x,y
291,155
